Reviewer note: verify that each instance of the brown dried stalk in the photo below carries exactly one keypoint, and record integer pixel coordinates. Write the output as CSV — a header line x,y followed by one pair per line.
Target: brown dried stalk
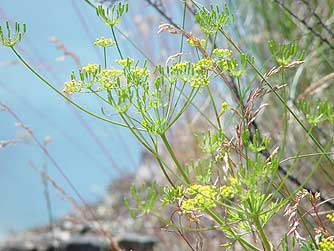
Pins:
x,y
291,212
278,69
4,143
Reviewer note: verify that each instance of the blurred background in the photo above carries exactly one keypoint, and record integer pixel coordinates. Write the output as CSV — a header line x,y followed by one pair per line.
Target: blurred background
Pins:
x,y
90,152
59,38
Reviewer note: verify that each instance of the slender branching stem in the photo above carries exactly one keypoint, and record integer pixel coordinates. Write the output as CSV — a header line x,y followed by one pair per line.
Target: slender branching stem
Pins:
x,y
62,94
176,161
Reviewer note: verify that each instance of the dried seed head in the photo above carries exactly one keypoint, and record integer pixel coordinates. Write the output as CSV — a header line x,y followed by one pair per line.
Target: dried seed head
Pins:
x,y
168,27
276,70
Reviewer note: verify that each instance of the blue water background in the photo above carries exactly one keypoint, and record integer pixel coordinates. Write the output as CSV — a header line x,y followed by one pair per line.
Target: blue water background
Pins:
x,y
87,156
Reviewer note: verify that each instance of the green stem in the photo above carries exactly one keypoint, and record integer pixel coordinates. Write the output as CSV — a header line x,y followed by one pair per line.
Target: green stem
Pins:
x,y
242,242
183,23
177,163
61,94
266,243
105,57
136,132
292,166
136,47
164,171
214,108
107,102
117,45
213,43
171,107
155,154
307,178
89,3
285,121
303,156
199,111
206,41
187,103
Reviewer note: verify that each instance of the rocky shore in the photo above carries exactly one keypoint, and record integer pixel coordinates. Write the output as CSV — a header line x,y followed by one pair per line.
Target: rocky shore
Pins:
x,y
77,233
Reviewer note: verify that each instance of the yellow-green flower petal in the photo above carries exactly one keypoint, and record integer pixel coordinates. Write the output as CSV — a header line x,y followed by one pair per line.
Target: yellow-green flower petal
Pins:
x,y
104,42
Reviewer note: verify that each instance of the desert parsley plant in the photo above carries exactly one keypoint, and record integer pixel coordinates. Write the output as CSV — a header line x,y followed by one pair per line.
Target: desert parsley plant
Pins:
x,y
235,187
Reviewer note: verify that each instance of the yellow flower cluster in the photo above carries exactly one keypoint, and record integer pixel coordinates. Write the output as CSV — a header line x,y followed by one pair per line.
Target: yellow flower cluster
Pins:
x,y
108,78
126,62
197,82
104,42
194,41
195,73
227,65
224,107
71,87
91,69
179,68
201,68
203,65
221,53
330,217
203,197
227,62
180,71
110,73
137,74
326,244
226,192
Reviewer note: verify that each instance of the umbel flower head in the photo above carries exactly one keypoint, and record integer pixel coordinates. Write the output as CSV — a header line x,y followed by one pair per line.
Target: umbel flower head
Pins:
x,y
91,69
126,62
285,53
72,86
193,73
201,197
12,39
113,16
104,42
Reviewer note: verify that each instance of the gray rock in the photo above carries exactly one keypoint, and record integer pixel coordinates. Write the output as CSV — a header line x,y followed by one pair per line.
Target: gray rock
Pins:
x,y
136,242
87,242
75,242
